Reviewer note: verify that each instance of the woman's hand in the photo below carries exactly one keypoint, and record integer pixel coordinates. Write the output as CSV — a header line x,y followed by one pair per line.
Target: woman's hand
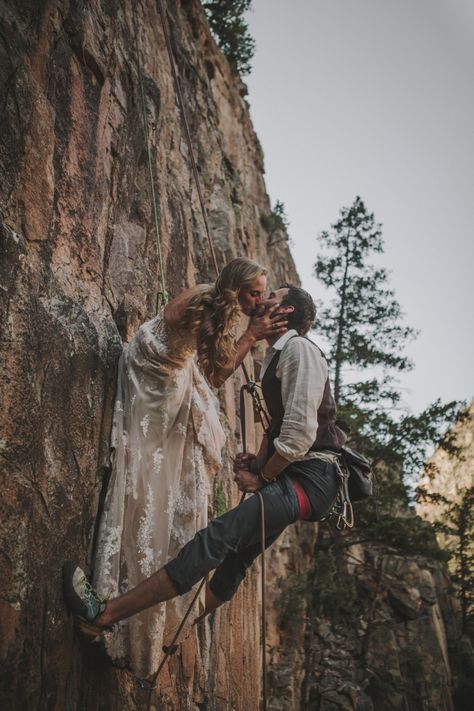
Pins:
x,y
272,322
246,481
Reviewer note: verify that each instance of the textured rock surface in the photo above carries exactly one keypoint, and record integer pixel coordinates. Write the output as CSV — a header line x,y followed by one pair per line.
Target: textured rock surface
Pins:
x,y
78,275
386,647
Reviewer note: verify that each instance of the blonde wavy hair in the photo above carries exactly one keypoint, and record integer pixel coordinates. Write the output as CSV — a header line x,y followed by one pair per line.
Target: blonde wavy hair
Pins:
x,y
214,312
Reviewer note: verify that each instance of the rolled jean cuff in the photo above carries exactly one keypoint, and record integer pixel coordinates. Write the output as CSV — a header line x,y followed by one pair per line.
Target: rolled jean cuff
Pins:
x,y
172,570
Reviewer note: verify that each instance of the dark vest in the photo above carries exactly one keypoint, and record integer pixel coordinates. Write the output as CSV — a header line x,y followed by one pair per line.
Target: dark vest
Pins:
x,y
328,436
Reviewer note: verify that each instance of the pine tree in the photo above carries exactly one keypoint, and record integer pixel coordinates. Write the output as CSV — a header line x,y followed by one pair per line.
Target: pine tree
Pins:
x,y
276,224
231,31
364,325
363,320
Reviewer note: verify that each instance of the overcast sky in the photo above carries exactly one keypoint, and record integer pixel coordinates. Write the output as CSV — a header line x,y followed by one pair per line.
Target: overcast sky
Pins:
x,y
375,98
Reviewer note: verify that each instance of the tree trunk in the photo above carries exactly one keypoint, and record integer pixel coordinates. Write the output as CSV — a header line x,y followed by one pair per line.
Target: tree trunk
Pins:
x,y
341,324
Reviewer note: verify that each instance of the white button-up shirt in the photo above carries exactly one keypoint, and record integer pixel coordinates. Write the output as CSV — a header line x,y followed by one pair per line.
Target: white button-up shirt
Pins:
x,y
303,372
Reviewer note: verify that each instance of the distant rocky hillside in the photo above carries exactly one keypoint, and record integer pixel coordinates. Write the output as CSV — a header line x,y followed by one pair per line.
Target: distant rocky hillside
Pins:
x,y
447,474
378,626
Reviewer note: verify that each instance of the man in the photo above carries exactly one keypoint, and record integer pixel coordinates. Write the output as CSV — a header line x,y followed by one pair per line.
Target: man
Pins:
x,y
294,470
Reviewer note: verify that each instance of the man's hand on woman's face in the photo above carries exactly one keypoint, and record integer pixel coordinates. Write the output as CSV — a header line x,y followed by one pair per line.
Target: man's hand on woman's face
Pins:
x,y
269,321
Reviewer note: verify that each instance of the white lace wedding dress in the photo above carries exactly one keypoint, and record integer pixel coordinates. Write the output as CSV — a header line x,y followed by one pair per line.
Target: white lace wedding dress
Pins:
x,y
166,446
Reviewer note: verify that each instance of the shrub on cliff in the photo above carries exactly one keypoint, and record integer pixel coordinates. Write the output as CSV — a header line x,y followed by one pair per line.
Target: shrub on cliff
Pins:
x,y
276,224
232,32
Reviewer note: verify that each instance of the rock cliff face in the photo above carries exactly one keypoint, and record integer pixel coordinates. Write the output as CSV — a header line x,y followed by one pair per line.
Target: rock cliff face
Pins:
x,y
449,475
377,629
393,652
79,273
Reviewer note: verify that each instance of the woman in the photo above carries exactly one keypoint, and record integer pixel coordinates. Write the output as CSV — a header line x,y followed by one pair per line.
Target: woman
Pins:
x,y
167,441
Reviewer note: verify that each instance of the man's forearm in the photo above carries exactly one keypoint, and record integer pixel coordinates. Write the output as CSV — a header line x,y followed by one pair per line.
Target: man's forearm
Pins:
x,y
275,465
262,452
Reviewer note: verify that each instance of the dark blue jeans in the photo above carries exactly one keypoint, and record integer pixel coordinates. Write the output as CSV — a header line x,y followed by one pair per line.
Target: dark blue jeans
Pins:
x,y
231,542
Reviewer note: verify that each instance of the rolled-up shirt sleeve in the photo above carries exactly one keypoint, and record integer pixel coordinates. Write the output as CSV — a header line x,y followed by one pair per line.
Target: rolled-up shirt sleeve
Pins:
x,y
303,373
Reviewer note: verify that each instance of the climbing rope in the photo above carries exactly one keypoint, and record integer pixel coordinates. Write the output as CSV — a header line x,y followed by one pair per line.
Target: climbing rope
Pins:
x,y
164,22
264,623
251,388
169,649
249,385
163,295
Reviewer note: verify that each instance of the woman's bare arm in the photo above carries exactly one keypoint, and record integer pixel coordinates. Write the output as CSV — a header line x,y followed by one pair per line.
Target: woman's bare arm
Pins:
x,y
175,310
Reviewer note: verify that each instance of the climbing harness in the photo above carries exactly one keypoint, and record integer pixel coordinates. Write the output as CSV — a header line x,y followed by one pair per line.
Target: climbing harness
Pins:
x,y
250,386
342,510
356,483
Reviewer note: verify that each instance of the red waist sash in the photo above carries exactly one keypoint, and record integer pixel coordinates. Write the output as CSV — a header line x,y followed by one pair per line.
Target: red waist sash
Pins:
x,y
303,501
